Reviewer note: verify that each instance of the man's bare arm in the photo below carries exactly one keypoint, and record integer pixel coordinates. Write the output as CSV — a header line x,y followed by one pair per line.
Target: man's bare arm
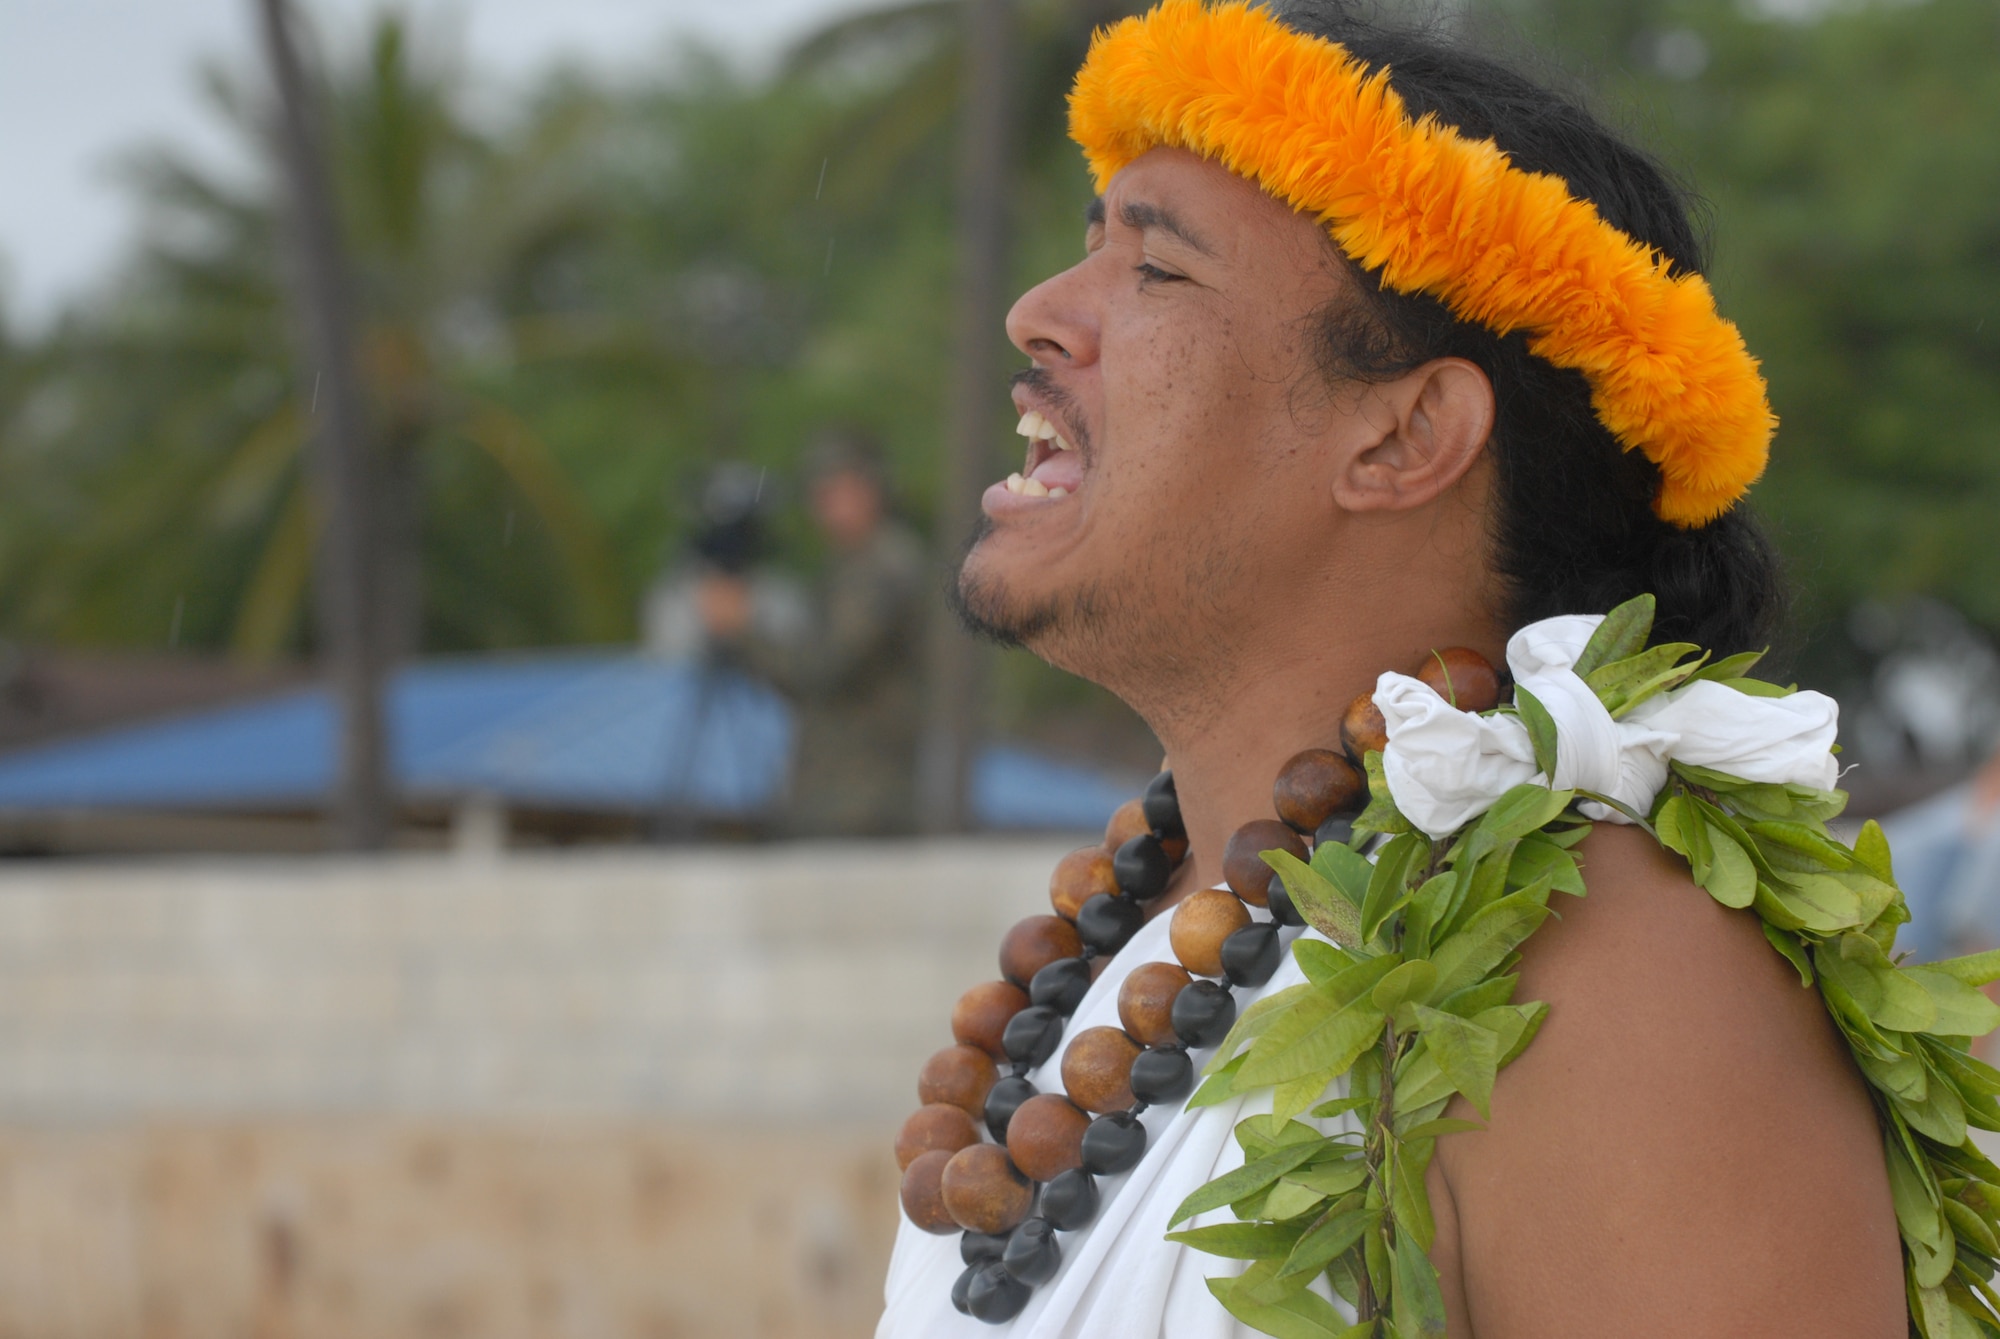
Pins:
x,y
1685,1150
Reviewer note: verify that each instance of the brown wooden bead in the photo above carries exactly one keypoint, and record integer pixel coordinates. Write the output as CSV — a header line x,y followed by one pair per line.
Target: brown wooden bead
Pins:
x,y
1362,729
1097,1069
1243,867
1201,924
1175,847
1045,1136
1146,1001
982,1190
960,1076
981,1015
1314,786
1033,944
1462,677
923,1192
1080,876
937,1127
1127,823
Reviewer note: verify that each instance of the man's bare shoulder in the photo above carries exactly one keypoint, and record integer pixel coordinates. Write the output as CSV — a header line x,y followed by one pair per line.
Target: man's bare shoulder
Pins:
x,y
1685,1149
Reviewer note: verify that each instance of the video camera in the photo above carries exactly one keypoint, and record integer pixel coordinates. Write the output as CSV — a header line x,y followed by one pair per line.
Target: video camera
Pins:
x,y
730,536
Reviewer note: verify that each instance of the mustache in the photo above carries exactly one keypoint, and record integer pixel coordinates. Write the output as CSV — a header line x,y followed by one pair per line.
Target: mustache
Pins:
x,y
1043,383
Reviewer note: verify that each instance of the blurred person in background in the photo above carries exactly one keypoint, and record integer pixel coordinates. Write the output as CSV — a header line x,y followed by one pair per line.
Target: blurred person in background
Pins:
x,y
1948,865
851,666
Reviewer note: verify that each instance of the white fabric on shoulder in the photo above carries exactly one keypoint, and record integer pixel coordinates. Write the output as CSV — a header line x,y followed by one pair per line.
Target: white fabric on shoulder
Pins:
x,y
1446,766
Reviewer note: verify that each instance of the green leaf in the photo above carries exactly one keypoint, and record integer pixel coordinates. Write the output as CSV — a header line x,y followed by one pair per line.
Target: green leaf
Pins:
x,y
1888,997
1962,1010
1219,1086
1468,1054
1419,1303
1488,938
1474,1000
1241,1241
1731,667
1804,839
1312,1040
1977,969
1254,1022
1317,898
1409,1202
1411,981
1304,1315
1871,848
1541,730
1788,944
1539,858
1432,1129
1334,1233
1349,870
1625,684
1333,1178
1758,688
1524,809
1622,633
1732,874
1381,815
1917,1211
1321,961
1388,887
1289,1199
1245,1180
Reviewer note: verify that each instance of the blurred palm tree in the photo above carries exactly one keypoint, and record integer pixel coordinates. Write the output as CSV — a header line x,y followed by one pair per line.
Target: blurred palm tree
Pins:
x,y
191,430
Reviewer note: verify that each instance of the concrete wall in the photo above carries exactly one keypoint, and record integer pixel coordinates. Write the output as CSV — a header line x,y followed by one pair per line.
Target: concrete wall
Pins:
x,y
596,1094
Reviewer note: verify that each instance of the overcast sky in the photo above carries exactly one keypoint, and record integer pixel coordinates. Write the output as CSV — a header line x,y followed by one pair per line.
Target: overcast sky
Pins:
x,y
82,79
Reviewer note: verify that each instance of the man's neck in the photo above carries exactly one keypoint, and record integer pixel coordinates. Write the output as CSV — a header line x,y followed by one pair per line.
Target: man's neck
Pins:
x,y
1226,757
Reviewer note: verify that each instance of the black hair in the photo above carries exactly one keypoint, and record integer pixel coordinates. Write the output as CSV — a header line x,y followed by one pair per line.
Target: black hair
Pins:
x,y
1573,528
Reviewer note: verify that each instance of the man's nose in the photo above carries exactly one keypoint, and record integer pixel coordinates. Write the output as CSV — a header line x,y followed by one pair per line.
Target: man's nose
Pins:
x,y
1052,324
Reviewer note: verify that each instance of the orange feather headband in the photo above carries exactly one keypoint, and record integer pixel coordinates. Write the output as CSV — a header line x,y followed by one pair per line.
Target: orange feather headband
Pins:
x,y
1435,212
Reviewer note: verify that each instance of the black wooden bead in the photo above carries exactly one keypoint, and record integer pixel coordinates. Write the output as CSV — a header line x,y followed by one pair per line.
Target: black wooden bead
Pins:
x,y
976,1248
994,1295
1061,985
1002,1101
961,1289
1251,955
1141,867
1280,903
1162,805
1033,1035
1203,1013
1338,828
1070,1201
1107,923
1032,1254
1113,1144
1161,1077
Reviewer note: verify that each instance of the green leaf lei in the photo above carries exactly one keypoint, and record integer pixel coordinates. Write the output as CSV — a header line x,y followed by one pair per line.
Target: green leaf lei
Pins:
x,y
1413,1003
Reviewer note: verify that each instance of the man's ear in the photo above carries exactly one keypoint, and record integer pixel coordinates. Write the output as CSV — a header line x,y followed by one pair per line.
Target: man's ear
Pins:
x,y
1429,427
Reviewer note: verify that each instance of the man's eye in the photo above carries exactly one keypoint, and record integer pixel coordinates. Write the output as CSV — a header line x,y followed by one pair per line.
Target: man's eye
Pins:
x,y
1154,274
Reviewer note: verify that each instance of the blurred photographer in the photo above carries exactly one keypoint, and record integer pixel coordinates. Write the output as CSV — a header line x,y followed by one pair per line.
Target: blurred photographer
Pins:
x,y
852,670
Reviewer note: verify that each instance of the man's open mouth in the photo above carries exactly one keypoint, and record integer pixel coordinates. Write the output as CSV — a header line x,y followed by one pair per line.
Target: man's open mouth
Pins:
x,y
1054,468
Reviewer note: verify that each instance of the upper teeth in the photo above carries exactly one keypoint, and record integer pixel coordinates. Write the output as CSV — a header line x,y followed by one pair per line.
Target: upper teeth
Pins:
x,y
1036,427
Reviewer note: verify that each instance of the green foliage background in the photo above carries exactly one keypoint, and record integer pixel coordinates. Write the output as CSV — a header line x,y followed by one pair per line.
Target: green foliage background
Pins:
x,y
577,305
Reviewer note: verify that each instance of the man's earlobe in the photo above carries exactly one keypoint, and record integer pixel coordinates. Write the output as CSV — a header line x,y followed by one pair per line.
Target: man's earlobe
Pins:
x,y
1434,421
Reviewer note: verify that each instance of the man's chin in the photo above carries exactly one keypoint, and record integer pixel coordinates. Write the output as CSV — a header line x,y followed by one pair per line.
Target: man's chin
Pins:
x,y
989,606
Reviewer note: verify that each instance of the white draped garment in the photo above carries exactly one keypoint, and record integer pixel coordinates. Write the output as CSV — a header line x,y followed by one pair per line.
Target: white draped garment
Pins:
x,y
1121,1278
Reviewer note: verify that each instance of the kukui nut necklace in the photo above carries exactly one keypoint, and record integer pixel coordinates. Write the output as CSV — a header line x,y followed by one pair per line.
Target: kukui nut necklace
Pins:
x,y
1010,1197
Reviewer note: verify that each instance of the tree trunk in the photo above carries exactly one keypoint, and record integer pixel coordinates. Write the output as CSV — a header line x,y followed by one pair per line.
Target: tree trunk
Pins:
x,y
330,379
976,423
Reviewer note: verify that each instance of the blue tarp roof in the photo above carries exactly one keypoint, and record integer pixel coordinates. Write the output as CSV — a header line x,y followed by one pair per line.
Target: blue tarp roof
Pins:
x,y
586,731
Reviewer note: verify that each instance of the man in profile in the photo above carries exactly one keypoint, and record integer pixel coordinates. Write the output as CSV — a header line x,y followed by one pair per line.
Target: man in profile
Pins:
x,y
1375,347
852,670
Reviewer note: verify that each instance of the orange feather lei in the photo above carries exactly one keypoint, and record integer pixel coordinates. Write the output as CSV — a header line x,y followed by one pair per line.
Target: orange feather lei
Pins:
x,y
1441,214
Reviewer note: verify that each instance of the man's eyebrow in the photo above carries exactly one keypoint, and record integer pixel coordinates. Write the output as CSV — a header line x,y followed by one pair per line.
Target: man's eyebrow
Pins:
x,y
1141,214
1094,216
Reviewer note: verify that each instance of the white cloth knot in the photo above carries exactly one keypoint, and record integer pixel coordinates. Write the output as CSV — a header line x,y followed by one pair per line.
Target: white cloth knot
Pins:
x,y
1446,767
